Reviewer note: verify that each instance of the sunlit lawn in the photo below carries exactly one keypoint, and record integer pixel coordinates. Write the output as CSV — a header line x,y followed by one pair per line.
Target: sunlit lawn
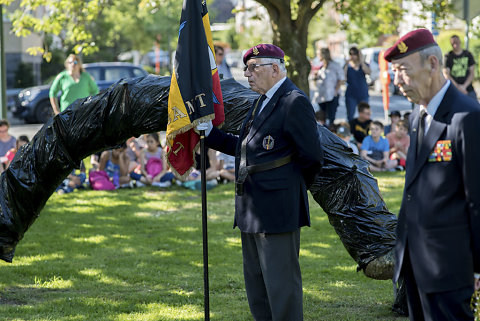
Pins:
x,y
137,255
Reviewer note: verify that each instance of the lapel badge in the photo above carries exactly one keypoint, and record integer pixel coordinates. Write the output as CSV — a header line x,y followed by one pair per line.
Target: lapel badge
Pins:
x,y
268,142
402,47
255,50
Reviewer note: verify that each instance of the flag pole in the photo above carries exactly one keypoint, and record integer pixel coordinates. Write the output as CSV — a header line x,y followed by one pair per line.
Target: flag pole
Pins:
x,y
203,169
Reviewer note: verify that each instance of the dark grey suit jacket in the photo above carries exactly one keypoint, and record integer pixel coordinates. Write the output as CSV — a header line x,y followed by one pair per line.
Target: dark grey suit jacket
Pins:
x,y
276,201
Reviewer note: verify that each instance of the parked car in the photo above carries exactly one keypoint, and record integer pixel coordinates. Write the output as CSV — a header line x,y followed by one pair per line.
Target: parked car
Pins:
x,y
373,80
12,95
33,104
152,57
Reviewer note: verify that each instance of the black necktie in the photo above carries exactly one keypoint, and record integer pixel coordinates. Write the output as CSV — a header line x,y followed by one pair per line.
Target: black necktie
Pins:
x,y
258,105
421,129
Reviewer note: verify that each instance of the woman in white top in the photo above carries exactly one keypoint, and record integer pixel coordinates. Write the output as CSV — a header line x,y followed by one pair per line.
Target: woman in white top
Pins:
x,y
328,80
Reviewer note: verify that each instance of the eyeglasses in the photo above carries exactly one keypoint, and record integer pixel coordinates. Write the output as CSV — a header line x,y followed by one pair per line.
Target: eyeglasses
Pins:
x,y
252,67
72,62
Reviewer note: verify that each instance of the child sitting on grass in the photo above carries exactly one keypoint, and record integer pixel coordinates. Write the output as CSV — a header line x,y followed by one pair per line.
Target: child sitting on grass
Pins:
x,y
7,159
153,164
75,180
399,141
375,149
112,170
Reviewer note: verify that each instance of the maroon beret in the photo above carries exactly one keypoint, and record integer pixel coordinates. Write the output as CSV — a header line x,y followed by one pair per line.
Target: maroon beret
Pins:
x,y
411,42
263,51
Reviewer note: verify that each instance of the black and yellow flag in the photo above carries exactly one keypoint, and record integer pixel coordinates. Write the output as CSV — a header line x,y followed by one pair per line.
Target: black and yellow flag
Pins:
x,y
195,93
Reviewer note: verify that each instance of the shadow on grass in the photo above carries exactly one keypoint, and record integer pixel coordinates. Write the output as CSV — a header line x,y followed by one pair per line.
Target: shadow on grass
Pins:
x,y
137,255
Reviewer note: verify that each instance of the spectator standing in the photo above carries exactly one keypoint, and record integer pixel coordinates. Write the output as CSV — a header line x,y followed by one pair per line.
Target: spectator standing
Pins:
x,y
399,141
437,247
375,149
357,87
360,126
395,116
74,83
7,141
222,66
460,67
328,80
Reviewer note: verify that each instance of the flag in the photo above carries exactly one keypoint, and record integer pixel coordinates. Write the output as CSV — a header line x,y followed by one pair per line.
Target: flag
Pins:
x,y
195,94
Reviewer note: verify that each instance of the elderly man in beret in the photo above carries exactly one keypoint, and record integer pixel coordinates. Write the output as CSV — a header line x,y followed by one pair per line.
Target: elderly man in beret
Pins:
x,y
277,154
438,231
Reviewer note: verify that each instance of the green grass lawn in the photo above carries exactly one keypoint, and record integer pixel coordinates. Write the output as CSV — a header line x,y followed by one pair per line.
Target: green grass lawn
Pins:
x,y
137,255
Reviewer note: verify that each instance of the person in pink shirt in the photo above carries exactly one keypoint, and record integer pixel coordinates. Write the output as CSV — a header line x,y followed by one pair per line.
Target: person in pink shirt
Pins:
x,y
399,141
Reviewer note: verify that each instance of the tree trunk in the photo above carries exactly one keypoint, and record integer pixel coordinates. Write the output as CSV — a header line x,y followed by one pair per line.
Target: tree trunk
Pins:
x,y
293,41
291,35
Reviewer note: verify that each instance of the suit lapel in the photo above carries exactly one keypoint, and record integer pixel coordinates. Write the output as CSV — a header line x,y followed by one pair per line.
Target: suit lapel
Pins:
x,y
434,132
249,115
260,118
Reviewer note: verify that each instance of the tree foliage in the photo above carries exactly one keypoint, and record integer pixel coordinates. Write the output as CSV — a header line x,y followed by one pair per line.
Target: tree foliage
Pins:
x,y
113,26
366,20
85,26
68,19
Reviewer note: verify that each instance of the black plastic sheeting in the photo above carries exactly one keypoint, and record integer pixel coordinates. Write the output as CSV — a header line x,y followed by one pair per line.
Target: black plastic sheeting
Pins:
x,y
128,108
344,188
350,197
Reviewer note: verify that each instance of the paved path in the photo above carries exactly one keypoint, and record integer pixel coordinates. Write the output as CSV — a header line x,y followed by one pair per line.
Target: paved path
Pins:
x,y
22,129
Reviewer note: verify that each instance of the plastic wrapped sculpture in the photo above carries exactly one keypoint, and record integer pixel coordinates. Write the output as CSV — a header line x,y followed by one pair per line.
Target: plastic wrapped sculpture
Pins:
x,y
344,188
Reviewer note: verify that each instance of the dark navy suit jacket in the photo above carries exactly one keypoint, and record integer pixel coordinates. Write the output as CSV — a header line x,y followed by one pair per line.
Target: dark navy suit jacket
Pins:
x,y
275,200
439,220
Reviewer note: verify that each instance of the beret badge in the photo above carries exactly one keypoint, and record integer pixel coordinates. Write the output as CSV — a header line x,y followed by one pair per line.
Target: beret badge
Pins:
x,y
402,47
255,51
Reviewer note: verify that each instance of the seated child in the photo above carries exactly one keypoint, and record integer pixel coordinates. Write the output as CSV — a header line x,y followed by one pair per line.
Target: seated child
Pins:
x,y
375,149
153,164
113,165
226,167
75,180
343,131
134,148
7,159
399,141
359,126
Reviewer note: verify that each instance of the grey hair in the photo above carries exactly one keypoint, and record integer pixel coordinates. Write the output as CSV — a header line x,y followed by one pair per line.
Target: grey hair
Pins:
x,y
431,51
280,63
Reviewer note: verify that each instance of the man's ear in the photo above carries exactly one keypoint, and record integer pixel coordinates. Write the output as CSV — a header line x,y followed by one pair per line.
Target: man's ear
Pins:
x,y
276,69
433,63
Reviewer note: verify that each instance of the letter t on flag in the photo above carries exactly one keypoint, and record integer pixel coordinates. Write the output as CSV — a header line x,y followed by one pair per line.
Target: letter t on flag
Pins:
x,y
195,94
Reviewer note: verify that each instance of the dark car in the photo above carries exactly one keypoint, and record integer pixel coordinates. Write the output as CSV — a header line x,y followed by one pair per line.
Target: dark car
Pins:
x,y
33,104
